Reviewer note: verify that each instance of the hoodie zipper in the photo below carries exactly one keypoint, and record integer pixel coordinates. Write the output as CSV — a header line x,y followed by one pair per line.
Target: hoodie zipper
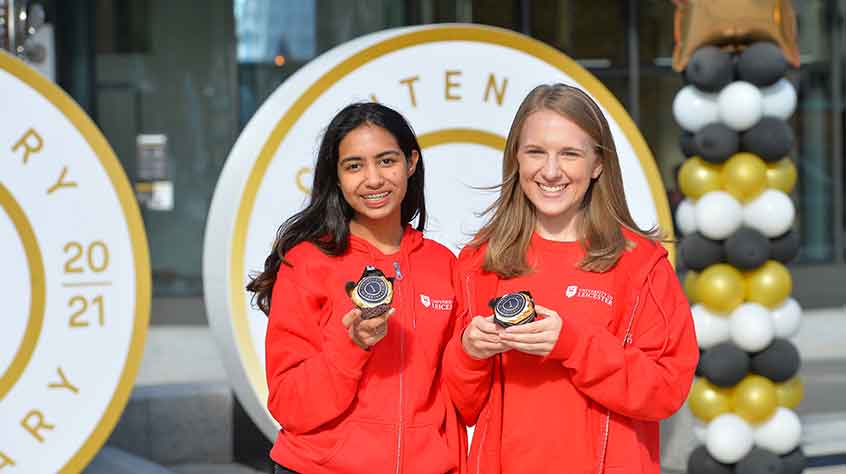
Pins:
x,y
627,339
468,294
399,277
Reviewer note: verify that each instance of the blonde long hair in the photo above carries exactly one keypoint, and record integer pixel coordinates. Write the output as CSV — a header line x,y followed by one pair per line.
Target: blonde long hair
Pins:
x,y
605,211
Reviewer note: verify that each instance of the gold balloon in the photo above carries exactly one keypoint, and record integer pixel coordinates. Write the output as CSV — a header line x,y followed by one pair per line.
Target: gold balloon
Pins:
x,y
708,401
720,288
790,393
782,175
769,285
729,22
744,176
690,286
755,398
697,177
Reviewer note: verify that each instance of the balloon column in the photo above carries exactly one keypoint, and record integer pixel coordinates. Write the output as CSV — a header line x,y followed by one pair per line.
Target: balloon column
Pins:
x,y
736,223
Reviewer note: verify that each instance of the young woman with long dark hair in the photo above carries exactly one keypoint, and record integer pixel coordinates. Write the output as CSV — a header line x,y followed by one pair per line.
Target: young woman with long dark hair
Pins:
x,y
354,394
581,388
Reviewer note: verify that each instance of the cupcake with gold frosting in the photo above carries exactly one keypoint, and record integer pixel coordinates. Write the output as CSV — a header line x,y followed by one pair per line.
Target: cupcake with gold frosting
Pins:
x,y
372,293
513,308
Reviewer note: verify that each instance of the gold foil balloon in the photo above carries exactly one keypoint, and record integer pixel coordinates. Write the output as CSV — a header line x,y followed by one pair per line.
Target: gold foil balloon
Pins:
x,y
769,285
744,176
697,177
690,286
708,401
782,175
755,398
732,23
790,393
720,288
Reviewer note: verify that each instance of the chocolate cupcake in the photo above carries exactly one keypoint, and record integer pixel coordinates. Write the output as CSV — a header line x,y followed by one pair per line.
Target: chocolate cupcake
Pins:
x,y
372,293
513,308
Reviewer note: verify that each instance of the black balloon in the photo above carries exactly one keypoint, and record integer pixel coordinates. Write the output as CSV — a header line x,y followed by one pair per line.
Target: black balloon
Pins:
x,y
771,139
688,147
779,362
725,364
716,142
760,461
698,372
794,462
785,247
700,462
762,64
699,252
710,69
747,249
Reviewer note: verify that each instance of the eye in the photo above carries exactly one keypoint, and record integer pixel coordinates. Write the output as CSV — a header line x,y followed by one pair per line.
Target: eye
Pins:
x,y
387,161
352,166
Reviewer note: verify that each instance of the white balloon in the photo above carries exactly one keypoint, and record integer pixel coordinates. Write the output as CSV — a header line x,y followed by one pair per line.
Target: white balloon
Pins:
x,y
718,215
779,99
752,327
740,105
781,433
711,329
729,438
693,109
787,318
686,217
771,213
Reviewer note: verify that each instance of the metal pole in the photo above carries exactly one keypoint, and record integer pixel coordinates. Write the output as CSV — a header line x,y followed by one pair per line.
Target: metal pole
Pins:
x,y
837,38
526,17
633,43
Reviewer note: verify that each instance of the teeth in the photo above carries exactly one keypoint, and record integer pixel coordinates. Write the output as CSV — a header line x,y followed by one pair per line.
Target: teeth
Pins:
x,y
376,197
551,189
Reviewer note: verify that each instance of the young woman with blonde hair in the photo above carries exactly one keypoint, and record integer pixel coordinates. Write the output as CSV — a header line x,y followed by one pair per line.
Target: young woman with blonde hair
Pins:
x,y
581,388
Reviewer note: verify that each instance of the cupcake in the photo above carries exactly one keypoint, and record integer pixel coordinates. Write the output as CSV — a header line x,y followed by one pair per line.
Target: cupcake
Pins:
x,y
372,293
513,308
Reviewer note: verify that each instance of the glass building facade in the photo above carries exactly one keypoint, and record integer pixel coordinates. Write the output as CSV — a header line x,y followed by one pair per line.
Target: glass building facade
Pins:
x,y
196,72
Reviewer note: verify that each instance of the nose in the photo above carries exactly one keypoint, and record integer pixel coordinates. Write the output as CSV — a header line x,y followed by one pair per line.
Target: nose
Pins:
x,y
551,171
373,176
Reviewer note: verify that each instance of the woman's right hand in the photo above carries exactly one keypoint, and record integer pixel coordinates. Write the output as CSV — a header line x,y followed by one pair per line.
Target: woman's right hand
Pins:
x,y
481,338
366,332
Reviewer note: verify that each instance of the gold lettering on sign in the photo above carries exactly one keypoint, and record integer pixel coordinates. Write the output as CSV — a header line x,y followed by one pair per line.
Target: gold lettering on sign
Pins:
x,y
31,142
300,184
65,383
410,83
61,183
39,424
499,93
5,461
449,84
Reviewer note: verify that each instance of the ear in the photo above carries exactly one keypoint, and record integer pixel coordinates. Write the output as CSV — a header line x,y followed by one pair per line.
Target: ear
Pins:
x,y
597,168
412,162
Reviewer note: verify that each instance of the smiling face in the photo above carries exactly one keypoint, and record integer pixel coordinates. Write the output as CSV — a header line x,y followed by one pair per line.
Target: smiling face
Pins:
x,y
557,161
373,174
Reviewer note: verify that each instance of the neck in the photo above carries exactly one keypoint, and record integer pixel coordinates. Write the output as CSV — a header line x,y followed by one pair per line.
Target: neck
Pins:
x,y
384,234
563,228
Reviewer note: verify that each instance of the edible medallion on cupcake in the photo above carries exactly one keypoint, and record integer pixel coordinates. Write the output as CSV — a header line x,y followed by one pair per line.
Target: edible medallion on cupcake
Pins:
x,y
373,292
513,308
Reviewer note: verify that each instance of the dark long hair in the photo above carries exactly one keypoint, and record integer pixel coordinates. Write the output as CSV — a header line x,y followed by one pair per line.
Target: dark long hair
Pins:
x,y
325,221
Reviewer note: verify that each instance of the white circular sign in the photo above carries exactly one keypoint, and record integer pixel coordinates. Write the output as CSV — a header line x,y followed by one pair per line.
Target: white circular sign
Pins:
x,y
459,86
75,282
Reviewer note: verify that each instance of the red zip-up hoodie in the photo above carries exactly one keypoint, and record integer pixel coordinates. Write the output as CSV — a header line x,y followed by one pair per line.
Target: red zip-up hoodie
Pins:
x,y
347,410
626,365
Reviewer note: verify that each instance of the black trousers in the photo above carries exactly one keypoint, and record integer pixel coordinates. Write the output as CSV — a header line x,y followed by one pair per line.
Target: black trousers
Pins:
x,y
282,470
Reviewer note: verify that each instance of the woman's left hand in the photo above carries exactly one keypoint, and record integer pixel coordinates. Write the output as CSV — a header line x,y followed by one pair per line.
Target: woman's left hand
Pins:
x,y
538,337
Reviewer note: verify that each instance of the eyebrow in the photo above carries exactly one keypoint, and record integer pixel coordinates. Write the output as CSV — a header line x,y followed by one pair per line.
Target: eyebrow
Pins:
x,y
566,148
383,154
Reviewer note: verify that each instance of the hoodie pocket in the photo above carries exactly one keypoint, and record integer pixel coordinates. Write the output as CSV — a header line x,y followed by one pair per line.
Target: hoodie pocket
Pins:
x,y
364,447
427,451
